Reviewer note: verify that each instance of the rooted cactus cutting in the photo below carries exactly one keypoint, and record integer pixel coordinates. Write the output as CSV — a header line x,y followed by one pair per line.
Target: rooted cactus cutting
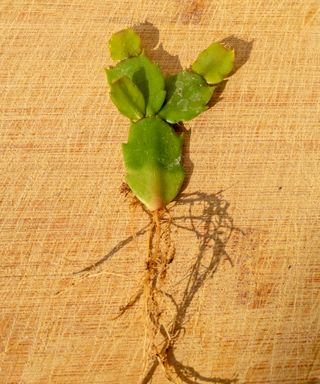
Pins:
x,y
152,155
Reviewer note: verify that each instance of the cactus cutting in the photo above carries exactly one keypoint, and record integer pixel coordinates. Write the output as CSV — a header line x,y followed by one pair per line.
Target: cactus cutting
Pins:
x,y
155,106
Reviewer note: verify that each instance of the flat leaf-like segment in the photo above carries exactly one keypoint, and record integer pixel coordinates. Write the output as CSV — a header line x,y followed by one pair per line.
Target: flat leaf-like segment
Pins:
x,y
187,96
214,63
152,159
124,44
147,77
128,98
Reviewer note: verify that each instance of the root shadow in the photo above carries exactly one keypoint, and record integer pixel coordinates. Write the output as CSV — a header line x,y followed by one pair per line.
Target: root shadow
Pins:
x,y
207,218
113,251
213,228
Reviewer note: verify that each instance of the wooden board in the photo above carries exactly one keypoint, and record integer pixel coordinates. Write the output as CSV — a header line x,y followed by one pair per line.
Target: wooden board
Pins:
x,y
256,319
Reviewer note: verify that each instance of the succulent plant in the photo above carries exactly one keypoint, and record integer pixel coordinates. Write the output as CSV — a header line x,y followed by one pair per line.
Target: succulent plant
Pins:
x,y
152,155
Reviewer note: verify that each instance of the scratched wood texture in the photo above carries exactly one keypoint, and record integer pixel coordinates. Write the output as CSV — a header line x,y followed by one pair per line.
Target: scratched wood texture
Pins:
x,y
256,319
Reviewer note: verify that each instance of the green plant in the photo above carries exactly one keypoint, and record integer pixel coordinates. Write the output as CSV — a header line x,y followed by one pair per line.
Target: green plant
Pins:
x,y
152,155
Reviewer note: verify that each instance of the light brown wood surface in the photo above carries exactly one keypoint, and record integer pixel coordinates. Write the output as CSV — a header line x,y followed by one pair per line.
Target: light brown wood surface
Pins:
x,y
256,319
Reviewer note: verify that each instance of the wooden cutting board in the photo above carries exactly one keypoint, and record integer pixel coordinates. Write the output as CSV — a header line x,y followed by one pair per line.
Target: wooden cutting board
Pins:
x,y
255,317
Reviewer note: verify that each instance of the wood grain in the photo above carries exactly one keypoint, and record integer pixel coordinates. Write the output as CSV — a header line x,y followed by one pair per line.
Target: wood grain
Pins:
x,y
256,320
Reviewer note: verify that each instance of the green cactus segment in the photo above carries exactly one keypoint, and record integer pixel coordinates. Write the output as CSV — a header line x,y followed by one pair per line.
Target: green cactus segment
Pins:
x,y
187,96
214,63
128,98
152,155
152,159
124,44
146,76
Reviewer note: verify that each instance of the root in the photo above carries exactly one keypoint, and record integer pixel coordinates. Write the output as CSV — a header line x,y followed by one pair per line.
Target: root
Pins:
x,y
129,196
159,339
164,326
134,299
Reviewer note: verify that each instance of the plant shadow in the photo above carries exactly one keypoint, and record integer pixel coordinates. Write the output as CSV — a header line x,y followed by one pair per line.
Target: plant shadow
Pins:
x,y
207,215
170,64
207,218
242,50
150,37
187,163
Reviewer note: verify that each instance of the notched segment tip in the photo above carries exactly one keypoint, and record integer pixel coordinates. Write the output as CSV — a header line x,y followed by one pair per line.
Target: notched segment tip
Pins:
x,y
125,43
214,63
